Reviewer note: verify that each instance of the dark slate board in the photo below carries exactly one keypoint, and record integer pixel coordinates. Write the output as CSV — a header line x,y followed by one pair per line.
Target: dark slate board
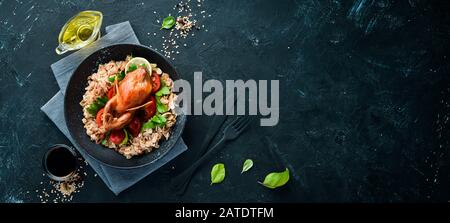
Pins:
x,y
361,84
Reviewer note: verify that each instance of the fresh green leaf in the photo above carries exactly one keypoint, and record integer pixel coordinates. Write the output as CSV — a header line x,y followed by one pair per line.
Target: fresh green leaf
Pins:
x,y
163,91
276,179
120,76
148,125
162,118
112,78
97,105
158,118
102,101
125,140
93,109
132,67
168,22
143,65
217,173
247,165
161,108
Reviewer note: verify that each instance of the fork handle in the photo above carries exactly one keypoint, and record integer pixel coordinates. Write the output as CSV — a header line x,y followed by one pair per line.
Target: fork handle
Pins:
x,y
183,179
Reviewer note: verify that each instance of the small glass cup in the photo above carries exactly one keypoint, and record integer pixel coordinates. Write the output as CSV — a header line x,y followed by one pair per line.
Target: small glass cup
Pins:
x,y
60,162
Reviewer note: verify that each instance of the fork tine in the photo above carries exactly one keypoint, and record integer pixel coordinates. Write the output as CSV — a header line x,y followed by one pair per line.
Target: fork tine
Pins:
x,y
243,124
237,121
243,128
242,121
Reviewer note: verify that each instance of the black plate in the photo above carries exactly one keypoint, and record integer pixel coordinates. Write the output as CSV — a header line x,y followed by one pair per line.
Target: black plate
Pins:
x,y
73,111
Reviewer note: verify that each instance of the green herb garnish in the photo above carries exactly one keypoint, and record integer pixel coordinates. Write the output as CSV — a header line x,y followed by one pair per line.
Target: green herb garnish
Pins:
x,y
97,105
102,101
274,180
120,76
168,22
159,119
217,173
148,125
112,78
132,67
163,91
247,165
156,120
161,108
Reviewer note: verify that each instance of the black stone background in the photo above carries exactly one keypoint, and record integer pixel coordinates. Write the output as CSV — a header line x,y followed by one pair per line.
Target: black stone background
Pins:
x,y
363,97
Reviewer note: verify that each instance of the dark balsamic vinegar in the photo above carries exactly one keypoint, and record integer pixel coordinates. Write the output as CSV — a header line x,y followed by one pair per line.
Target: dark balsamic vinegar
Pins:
x,y
61,162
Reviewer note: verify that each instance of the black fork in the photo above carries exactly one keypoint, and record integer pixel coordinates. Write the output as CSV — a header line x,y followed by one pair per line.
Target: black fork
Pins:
x,y
231,132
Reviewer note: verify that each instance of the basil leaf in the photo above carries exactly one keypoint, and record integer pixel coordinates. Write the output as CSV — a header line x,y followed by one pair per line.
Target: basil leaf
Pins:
x,y
148,125
274,180
125,140
162,118
132,67
161,108
112,78
247,165
97,105
168,22
159,119
163,91
156,119
120,76
217,173
102,101
93,109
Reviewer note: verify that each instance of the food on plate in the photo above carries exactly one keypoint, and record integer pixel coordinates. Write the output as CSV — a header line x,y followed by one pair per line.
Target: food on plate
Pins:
x,y
129,106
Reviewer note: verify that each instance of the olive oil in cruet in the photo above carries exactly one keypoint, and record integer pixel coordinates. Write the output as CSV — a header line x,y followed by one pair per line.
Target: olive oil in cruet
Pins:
x,y
79,31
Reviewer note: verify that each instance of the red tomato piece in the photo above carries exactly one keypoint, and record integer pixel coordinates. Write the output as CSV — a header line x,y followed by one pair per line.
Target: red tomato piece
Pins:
x,y
150,109
117,136
135,126
98,118
156,82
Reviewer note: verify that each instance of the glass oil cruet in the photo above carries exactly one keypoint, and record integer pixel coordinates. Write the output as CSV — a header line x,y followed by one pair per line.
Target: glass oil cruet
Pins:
x,y
79,31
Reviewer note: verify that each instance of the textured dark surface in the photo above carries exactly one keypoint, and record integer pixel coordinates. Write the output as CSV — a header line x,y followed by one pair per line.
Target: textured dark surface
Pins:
x,y
363,107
